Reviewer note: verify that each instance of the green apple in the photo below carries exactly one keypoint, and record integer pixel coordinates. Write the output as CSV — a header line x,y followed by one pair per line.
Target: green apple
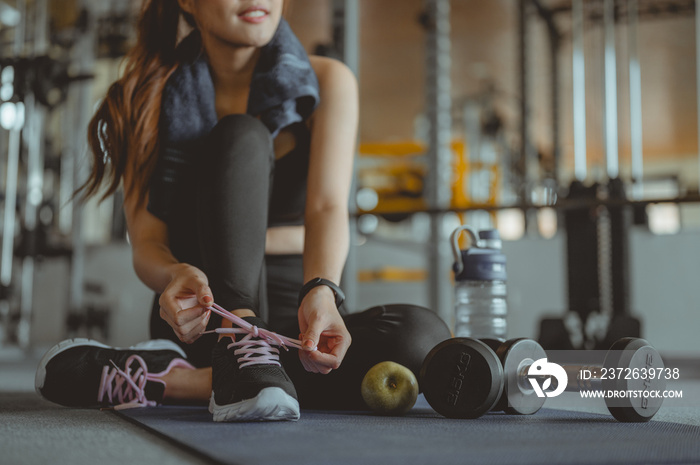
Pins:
x,y
389,388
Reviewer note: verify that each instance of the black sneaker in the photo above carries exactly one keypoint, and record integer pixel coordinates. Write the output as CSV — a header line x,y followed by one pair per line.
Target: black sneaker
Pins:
x,y
248,381
86,373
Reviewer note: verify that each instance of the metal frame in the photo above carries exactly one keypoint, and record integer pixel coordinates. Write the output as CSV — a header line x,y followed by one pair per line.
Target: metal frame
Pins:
x,y
35,180
610,79
523,57
579,87
439,113
635,77
14,144
555,40
608,12
697,75
645,9
10,203
85,57
35,20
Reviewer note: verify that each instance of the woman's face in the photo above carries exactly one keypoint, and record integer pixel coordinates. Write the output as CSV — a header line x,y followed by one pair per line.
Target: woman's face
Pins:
x,y
237,22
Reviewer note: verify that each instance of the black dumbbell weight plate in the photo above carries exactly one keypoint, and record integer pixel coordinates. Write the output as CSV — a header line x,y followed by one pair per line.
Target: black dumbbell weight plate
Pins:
x,y
493,343
461,378
641,358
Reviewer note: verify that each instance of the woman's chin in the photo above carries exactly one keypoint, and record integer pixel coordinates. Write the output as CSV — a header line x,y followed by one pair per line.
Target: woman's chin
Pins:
x,y
242,38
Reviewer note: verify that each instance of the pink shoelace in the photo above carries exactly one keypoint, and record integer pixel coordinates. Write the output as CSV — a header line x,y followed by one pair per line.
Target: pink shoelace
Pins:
x,y
257,344
127,390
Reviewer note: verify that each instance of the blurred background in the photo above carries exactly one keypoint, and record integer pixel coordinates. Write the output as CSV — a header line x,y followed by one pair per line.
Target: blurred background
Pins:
x,y
570,127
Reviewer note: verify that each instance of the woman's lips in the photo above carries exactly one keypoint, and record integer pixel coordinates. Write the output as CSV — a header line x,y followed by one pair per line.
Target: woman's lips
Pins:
x,y
254,15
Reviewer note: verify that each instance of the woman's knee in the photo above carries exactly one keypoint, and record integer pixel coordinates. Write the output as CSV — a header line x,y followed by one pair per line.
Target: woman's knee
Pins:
x,y
239,140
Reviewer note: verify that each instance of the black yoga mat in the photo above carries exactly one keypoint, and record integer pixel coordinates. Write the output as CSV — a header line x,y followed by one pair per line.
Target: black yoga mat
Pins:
x,y
424,437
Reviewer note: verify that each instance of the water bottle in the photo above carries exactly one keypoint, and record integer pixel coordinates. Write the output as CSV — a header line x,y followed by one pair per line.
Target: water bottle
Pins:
x,y
480,285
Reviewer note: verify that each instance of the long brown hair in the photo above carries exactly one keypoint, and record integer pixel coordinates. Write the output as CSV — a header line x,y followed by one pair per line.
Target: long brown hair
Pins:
x,y
123,133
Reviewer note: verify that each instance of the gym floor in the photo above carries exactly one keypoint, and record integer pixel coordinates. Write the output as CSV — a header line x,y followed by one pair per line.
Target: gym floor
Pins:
x,y
34,431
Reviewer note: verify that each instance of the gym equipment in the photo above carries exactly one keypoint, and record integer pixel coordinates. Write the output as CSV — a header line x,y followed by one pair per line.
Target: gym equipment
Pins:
x,y
461,378
458,378
697,77
579,87
635,96
45,77
514,354
14,125
438,110
626,357
34,80
598,238
598,271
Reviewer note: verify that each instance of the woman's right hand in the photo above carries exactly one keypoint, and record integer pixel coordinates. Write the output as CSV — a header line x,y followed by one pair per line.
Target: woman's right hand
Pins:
x,y
183,304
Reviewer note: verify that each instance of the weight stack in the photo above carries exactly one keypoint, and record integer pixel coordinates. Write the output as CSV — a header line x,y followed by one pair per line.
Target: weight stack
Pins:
x,y
594,254
622,324
582,242
583,285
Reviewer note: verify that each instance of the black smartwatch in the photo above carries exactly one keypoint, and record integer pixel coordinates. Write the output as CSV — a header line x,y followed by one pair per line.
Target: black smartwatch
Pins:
x,y
339,296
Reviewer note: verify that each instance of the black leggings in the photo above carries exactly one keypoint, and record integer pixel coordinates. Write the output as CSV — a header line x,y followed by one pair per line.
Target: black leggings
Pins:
x,y
221,230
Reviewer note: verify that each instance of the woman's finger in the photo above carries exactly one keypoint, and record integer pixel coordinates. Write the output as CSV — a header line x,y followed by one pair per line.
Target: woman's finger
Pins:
x,y
324,362
342,344
182,317
198,326
204,295
165,315
306,363
189,325
312,335
170,303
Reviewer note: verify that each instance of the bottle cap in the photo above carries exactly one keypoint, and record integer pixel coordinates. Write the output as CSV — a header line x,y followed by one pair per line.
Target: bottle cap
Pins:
x,y
482,265
482,262
490,239
489,234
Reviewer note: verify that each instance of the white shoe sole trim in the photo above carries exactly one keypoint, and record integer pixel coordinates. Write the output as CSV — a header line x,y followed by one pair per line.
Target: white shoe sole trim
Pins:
x,y
271,404
156,344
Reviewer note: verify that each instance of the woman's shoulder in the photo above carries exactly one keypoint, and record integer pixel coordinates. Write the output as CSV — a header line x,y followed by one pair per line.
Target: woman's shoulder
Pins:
x,y
332,73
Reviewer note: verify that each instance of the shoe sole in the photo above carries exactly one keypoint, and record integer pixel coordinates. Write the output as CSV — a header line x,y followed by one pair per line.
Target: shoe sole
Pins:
x,y
156,344
271,404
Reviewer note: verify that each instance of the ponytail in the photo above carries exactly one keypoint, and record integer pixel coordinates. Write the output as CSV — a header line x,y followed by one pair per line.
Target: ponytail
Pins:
x,y
123,133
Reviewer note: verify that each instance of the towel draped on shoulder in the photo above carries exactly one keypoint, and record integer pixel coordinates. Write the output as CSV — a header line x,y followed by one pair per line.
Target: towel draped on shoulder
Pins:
x,y
284,90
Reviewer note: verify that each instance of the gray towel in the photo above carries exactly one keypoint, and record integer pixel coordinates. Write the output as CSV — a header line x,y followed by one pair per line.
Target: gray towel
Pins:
x,y
284,90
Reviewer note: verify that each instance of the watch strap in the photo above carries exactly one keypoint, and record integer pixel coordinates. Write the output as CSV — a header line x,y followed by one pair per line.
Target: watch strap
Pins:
x,y
315,282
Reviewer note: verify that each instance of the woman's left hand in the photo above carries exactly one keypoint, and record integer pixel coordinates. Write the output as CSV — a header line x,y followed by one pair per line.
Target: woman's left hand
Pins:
x,y
322,327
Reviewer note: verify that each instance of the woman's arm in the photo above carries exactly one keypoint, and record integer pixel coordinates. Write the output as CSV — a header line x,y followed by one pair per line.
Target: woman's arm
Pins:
x,y
153,262
333,136
158,269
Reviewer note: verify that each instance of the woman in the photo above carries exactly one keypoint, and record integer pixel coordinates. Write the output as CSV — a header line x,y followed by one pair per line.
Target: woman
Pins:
x,y
235,151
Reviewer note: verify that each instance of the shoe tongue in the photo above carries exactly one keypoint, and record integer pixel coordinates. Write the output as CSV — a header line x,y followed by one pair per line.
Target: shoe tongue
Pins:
x,y
154,390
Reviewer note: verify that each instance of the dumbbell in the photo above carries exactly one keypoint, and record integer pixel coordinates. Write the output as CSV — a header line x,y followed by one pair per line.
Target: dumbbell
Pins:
x,y
479,392
514,355
462,378
625,357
